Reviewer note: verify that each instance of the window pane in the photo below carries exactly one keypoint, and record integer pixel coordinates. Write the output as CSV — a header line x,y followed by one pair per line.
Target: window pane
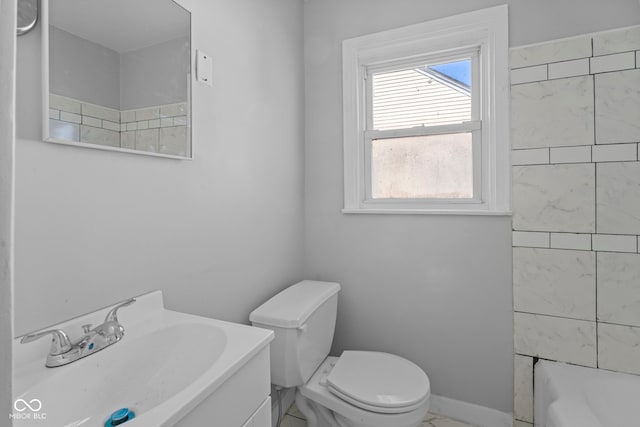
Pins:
x,y
425,96
432,167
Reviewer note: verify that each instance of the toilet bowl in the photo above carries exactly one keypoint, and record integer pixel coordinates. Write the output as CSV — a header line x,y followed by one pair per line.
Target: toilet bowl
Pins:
x,y
357,403
357,389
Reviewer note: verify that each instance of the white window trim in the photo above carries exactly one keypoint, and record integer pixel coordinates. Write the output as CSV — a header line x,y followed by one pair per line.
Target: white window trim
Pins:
x,y
486,29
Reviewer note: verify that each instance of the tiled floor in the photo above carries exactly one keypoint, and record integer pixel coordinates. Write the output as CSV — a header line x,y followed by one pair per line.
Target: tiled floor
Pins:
x,y
294,418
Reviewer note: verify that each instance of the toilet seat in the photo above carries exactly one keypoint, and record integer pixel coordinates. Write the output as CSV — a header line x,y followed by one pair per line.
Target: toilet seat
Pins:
x,y
378,382
316,391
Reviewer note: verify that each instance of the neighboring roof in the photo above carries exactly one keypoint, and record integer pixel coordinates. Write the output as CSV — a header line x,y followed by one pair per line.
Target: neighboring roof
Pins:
x,y
445,80
459,71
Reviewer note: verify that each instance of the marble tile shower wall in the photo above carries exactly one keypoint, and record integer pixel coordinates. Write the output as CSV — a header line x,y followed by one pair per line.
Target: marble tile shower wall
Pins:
x,y
576,205
158,129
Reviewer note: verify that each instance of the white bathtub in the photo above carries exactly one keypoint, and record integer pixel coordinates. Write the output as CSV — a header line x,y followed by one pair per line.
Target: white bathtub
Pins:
x,y
574,396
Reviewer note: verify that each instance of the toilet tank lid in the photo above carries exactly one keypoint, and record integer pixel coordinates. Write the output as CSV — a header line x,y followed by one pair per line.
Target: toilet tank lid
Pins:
x,y
292,307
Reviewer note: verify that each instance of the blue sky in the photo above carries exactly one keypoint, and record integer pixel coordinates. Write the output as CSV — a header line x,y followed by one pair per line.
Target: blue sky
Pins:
x,y
460,70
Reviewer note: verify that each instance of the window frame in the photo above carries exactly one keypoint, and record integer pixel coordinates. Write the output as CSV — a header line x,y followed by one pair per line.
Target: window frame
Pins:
x,y
484,32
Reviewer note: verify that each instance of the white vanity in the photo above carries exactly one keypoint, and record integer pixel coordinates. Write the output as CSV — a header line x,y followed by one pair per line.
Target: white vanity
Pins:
x,y
170,369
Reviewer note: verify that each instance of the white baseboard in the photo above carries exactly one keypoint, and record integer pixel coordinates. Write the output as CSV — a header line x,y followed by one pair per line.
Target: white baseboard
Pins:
x,y
477,415
288,395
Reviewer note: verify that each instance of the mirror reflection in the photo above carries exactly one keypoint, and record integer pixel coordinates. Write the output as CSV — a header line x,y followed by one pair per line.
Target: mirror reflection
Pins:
x,y
119,75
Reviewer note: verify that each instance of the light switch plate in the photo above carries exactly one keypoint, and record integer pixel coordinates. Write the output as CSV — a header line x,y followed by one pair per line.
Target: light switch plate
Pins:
x,y
204,68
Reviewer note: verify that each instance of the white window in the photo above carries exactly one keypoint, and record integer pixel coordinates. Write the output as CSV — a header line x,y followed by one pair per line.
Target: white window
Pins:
x,y
426,117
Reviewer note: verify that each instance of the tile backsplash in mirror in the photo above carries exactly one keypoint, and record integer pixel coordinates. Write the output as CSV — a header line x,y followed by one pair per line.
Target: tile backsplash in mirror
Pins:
x,y
159,129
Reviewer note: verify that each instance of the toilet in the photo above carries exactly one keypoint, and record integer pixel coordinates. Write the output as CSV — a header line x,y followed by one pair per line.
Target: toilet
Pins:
x,y
357,389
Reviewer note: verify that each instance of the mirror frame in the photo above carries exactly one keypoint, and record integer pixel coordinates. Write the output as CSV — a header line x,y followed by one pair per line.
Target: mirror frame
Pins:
x,y
44,7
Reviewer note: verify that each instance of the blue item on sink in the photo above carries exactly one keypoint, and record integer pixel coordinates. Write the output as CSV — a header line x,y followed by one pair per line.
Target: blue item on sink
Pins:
x,y
120,416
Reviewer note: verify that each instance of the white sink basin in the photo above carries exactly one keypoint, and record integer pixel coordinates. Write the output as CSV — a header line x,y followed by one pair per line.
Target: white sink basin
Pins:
x,y
165,365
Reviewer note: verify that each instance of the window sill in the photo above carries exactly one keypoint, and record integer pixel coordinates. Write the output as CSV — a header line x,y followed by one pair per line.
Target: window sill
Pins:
x,y
426,212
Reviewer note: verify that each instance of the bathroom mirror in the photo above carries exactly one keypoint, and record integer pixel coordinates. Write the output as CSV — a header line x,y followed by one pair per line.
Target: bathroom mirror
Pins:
x,y
117,75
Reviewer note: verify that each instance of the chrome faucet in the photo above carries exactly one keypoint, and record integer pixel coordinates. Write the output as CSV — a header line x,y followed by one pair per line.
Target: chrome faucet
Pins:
x,y
63,351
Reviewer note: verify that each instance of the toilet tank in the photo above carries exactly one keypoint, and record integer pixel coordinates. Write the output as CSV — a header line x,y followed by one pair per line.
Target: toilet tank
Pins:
x,y
303,319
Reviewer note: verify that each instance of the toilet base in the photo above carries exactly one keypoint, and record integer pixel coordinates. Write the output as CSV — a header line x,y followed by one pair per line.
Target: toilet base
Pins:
x,y
316,415
323,409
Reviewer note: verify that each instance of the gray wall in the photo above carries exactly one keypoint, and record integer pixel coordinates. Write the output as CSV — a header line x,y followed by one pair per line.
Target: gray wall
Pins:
x,y
219,234
7,144
436,289
155,75
83,70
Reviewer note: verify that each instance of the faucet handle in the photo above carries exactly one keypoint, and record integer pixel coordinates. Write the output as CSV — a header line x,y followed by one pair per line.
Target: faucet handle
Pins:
x,y
112,316
60,342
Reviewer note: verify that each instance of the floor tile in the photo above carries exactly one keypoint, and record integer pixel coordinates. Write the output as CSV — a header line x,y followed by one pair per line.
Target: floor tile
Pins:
x,y
295,418
433,420
295,412
289,421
